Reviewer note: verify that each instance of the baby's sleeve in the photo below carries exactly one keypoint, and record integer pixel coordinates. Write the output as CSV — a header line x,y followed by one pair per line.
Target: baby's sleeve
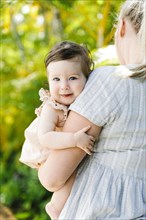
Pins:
x,y
99,102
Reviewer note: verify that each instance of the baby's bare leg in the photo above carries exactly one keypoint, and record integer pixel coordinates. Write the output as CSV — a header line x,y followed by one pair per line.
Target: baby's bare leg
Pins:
x,y
53,175
58,200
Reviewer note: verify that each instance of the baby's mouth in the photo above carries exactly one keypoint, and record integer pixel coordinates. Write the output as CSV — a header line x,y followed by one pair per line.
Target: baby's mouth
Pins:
x,y
66,95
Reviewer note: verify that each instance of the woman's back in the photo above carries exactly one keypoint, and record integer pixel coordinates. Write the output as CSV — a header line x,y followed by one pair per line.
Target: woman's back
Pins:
x,y
111,183
119,106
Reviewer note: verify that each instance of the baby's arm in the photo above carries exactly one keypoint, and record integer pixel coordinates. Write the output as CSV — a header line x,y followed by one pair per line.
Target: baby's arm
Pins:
x,y
52,139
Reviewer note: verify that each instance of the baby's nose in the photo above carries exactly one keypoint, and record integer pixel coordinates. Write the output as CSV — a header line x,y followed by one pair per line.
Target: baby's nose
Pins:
x,y
64,85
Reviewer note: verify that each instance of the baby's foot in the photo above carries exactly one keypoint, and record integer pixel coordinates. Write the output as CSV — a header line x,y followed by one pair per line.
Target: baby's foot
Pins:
x,y
51,211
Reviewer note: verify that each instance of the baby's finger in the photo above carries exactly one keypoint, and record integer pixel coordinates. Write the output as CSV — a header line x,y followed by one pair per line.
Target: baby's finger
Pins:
x,y
85,129
90,147
91,143
88,151
92,138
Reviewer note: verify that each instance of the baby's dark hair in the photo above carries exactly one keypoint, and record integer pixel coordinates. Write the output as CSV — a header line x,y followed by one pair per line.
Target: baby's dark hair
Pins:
x,y
67,50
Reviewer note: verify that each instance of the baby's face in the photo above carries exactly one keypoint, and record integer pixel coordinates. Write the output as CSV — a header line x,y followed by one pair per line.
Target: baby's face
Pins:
x,y
66,80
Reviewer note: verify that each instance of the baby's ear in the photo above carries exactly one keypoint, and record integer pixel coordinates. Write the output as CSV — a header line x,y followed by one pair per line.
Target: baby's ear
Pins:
x,y
122,27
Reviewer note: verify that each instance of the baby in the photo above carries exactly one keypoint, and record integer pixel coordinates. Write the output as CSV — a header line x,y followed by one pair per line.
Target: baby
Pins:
x,y
68,66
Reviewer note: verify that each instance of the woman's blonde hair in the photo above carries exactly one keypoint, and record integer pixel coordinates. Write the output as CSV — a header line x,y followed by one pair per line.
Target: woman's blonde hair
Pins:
x,y
135,12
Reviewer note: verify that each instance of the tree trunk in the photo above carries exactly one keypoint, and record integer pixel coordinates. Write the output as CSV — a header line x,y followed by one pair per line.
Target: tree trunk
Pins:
x,y
6,214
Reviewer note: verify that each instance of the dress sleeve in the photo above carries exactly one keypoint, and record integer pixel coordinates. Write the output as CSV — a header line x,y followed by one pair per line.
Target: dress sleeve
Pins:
x,y
101,98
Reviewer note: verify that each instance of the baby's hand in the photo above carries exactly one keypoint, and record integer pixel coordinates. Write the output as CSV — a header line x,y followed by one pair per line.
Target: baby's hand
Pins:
x,y
85,141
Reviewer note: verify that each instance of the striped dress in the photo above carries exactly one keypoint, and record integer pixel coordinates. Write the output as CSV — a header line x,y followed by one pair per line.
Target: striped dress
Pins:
x,y
111,184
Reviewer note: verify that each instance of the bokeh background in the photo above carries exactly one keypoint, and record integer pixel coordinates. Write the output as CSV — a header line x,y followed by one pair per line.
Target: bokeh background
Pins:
x,y
29,29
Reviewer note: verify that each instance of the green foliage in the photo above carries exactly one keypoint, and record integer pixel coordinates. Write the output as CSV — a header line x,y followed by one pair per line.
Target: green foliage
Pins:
x,y
29,30
21,190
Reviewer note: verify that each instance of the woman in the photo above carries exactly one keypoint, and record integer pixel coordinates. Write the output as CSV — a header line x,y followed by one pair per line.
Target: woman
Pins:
x,y
111,183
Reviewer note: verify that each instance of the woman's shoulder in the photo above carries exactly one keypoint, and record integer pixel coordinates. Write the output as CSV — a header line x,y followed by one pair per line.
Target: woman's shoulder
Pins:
x,y
105,74
104,71
109,69
106,79
118,72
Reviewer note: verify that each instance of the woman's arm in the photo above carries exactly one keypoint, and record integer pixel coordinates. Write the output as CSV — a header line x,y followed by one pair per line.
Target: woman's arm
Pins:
x,y
62,163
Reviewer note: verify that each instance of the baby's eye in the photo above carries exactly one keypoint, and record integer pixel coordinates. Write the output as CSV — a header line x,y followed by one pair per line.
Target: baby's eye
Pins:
x,y
56,79
72,78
